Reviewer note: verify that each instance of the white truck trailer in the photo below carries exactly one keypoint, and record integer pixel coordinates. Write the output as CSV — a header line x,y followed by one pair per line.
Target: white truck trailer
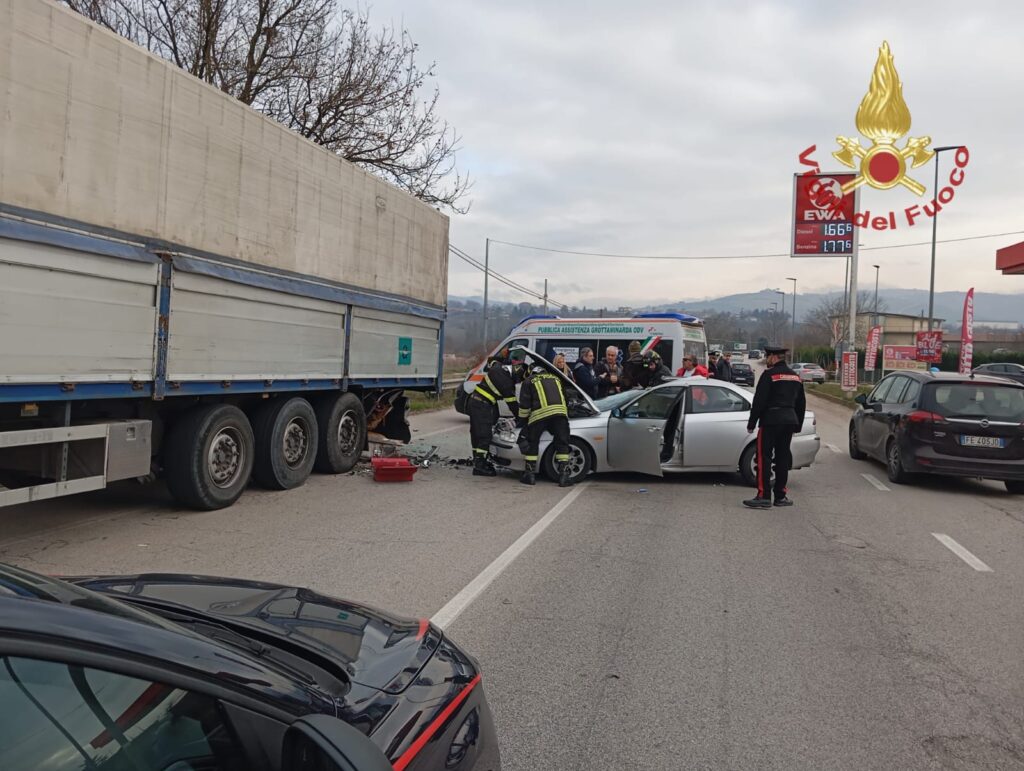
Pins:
x,y
187,287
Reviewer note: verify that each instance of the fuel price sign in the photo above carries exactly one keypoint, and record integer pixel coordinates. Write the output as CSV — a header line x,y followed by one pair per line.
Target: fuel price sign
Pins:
x,y
823,216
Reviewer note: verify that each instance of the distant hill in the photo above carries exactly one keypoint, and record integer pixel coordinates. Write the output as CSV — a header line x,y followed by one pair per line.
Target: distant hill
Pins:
x,y
988,306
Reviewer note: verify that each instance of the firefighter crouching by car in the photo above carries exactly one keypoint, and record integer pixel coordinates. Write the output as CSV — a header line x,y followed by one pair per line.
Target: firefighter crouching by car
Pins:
x,y
778,410
497,385
542,407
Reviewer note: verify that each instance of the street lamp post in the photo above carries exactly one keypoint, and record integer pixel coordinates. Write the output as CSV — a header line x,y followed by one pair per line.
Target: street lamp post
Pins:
x,y
876,267
935,223
790,278
487,273
782,306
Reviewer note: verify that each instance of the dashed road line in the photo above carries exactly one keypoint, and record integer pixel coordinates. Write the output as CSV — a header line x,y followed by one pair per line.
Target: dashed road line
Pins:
x,y
454,607
962,553
876,484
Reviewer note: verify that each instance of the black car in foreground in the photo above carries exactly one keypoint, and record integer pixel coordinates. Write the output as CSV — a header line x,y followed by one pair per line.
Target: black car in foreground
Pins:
x,y
189,673
742,374
943,423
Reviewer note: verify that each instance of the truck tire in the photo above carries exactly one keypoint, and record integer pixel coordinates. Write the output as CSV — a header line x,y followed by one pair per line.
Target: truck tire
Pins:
x,y
342,433
208,456
286,441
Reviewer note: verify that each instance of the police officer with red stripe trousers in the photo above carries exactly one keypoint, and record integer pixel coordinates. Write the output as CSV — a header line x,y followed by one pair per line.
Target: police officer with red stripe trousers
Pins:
x,y
778,413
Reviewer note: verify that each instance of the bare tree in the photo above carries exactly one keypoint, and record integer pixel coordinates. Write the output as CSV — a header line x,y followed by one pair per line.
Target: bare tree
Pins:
x,y
321,70
829,321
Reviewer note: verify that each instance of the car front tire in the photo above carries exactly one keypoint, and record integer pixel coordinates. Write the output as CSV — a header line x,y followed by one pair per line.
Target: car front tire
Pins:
x,y
579,461
855,452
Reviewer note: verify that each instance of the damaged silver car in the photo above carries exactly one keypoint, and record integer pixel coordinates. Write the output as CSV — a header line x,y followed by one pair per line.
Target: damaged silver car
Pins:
x,y
688,424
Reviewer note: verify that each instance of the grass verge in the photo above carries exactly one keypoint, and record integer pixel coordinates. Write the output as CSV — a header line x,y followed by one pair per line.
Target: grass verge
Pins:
x,y
834,393
422,402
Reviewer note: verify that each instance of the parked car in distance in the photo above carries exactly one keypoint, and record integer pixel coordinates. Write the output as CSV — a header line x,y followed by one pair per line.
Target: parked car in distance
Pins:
x,y
754,354
943,423
1002,369
176,672
742,374
809,372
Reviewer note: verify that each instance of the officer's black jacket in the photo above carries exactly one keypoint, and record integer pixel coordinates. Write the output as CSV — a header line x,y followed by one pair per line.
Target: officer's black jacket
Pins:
x,y
501,385
778,399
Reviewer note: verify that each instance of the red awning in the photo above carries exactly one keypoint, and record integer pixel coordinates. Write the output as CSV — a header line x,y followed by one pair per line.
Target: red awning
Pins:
x,y
1010,259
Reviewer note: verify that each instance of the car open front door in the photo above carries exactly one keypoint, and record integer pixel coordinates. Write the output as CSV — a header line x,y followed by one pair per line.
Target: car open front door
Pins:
x,y
636,431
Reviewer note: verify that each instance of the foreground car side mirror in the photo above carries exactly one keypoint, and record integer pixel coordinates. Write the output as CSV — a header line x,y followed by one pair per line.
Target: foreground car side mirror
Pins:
x,y
861,399
617,412
324,743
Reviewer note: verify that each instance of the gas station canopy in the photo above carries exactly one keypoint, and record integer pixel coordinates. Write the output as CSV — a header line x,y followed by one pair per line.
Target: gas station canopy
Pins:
x,y
1010,259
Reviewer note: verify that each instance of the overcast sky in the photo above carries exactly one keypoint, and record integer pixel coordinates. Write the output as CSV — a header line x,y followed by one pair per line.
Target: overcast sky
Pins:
x,y
673,128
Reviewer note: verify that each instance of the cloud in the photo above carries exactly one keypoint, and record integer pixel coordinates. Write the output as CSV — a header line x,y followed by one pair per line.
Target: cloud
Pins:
x,y
674,128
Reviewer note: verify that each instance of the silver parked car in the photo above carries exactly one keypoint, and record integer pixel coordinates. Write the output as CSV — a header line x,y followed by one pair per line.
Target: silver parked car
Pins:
x,y
688,424
809,372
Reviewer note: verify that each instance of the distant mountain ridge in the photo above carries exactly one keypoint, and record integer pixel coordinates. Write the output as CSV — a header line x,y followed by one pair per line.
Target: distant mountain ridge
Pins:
x,y
988,306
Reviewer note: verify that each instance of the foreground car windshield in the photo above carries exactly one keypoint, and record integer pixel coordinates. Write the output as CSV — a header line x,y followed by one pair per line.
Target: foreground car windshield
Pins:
x,y
970,400
612,401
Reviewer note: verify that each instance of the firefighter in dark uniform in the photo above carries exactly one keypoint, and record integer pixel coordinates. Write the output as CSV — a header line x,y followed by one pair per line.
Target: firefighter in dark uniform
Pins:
x,y
498,385
778,413
543,407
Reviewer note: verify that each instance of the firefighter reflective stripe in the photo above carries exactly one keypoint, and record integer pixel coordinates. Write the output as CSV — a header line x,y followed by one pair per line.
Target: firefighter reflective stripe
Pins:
x,y
488,396
479,452
547,412
490,384
524,412
560,457
510,399
530,458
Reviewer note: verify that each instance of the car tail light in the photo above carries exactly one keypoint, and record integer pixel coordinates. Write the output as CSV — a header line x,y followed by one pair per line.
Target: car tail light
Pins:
x,y
924,416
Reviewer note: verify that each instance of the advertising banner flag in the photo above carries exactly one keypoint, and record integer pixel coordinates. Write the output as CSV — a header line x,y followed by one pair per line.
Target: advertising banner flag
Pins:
x,y
967,334
871,355
849,371
929,346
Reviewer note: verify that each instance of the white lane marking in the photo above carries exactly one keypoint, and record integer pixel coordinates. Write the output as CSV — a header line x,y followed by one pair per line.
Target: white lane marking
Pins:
x,y
962,553
454,607
832,447
876,484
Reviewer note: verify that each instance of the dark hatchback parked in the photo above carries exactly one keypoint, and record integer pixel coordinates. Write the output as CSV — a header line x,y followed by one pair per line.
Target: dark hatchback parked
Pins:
x,y
943,423
742,374
189,673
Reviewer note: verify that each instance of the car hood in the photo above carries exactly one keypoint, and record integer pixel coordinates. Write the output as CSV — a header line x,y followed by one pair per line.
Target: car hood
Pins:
x,y
375,649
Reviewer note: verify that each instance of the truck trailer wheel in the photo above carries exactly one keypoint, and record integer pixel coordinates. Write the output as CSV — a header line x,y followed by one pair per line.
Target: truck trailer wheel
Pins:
x,y
286,442
342,432
208,456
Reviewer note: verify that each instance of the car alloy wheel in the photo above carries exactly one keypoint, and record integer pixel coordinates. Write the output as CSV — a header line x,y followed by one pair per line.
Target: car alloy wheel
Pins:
x,y
894,462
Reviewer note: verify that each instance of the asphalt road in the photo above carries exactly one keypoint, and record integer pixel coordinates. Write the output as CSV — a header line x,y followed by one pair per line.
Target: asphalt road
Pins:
x,y
649,623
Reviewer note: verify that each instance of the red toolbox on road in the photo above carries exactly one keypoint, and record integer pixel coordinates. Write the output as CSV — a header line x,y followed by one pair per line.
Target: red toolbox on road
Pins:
x,y
393,469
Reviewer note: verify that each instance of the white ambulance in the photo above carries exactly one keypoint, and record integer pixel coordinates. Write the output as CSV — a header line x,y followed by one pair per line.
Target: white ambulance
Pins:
x,y
670,334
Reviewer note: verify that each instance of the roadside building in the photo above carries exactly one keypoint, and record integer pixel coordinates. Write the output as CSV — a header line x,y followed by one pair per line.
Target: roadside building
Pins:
x,y
897,328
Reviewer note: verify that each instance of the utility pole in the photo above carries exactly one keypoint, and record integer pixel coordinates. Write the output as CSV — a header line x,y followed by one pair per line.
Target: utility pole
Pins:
x,y
545,297
935,224
794,314
487,273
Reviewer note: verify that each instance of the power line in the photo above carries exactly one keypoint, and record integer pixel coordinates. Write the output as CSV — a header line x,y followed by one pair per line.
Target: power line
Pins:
x,y
737,256
499,277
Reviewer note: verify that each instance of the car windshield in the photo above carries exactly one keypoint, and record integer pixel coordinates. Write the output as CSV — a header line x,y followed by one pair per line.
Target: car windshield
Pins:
x,y
976,400
612,401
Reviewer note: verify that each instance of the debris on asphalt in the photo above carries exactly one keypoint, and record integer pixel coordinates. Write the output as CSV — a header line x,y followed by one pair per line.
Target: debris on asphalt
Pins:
x,y
641,490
